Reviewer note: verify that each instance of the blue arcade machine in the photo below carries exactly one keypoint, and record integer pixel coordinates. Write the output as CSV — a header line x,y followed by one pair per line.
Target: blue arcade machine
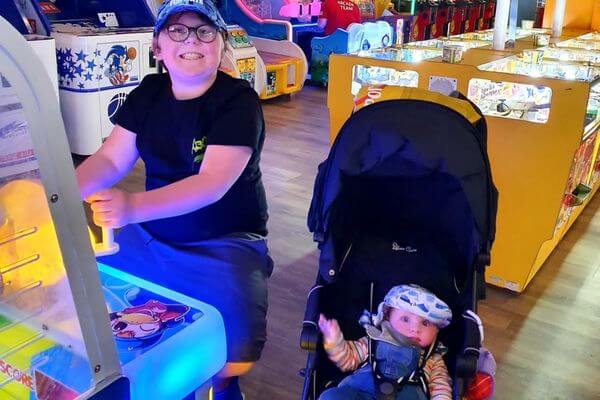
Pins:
x,y
70,327
35,30
103,51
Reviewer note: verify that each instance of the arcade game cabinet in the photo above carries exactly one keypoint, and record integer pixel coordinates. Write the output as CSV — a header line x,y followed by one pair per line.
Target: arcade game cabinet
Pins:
x,y
71,328
103,51
459,17
35,32
265,25
424,19
489,12
442,19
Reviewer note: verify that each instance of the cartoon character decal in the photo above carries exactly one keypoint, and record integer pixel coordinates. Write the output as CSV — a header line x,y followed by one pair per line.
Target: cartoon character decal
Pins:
x,y
146,321
118,60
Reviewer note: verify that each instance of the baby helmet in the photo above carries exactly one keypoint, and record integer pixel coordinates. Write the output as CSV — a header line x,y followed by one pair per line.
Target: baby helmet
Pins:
x,y
417,300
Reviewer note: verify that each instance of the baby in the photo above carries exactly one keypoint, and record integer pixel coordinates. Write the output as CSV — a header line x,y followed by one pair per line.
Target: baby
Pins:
x,y
404,348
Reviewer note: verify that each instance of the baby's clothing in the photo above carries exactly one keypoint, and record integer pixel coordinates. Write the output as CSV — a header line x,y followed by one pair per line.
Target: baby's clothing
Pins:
x,y
348,355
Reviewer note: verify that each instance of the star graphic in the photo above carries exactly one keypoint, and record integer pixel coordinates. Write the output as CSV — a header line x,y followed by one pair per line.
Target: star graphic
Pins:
x,y
99,77
78,70
97,53
81,85
80,55
88,76
91,64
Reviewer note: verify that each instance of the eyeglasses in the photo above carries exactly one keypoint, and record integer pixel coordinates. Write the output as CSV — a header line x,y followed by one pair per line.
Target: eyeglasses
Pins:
x,y
180,32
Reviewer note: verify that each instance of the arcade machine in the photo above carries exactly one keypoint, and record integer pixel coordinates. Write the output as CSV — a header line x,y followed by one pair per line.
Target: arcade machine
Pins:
x,y
103,53
424,21
489,12
241,59
35,32
273,19
458,18
442,19
356,38
473,8
266,24
71,327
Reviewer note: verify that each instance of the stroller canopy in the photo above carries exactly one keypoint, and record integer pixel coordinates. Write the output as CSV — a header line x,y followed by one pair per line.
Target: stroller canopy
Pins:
x,y
426,137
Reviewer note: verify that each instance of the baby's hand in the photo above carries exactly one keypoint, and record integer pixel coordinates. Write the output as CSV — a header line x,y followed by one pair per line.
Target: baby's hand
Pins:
x,y
329,328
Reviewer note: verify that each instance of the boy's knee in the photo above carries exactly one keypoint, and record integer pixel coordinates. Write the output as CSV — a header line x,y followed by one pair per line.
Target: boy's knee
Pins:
x,y
235,369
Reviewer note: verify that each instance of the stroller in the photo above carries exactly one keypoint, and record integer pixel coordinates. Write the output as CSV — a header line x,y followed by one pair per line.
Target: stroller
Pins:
x,y
405,196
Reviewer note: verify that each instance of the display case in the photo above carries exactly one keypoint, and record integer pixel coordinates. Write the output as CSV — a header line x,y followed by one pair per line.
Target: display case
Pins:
x,y
71,328
365,75
542,118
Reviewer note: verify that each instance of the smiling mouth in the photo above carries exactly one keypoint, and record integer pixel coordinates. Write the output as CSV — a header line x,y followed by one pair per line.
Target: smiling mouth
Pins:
x,y
191,56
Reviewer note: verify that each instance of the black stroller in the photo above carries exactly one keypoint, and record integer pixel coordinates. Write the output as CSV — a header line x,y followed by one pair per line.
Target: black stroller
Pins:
x,y
404,174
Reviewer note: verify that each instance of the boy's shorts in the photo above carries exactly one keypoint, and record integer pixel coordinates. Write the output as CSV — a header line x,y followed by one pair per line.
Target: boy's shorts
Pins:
x,y
229,273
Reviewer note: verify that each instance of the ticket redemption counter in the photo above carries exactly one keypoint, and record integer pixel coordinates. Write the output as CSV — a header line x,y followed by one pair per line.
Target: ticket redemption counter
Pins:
x,y
71,328
542,138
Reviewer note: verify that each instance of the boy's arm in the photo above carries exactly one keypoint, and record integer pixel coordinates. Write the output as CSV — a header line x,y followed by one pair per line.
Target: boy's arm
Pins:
x,y
347,355
107,166
221,167
438,379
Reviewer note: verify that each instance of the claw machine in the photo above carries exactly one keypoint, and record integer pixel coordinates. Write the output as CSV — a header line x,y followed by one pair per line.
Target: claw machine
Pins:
x,y
72,328
542,113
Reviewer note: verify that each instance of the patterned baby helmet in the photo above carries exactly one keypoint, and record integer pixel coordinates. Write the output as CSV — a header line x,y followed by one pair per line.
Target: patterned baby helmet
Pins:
x,y
417,300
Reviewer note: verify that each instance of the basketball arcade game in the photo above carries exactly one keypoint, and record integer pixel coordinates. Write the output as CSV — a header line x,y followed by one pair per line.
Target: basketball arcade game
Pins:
x,y
69,327
103,53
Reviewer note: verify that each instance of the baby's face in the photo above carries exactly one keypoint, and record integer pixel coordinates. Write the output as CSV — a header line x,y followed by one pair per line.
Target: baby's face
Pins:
x,y
417,329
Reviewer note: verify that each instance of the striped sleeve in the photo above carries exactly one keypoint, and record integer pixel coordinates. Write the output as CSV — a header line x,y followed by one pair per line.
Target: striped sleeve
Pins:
x,y
348,355
439,382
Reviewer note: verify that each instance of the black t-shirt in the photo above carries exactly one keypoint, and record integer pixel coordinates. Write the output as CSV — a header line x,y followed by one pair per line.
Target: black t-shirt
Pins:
x,y
172,136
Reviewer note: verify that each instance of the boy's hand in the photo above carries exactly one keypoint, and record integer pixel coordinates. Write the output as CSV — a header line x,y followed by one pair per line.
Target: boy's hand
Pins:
x,y
330,329
112,208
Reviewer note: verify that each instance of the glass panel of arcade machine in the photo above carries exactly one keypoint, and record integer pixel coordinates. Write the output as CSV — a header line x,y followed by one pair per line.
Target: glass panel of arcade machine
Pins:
x,y
511,100
532,63
440,43
592,113
40,335
401,54
372,75
590,36
570,54
580,44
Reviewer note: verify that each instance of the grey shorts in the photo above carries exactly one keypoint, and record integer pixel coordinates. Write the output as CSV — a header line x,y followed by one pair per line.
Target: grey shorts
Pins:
x,y
229,273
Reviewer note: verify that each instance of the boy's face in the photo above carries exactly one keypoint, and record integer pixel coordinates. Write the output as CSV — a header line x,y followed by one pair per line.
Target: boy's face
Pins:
x,y
190,58
417,329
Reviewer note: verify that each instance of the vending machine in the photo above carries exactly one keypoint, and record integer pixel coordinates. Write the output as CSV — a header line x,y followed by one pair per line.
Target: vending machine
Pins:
x,y
70,327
